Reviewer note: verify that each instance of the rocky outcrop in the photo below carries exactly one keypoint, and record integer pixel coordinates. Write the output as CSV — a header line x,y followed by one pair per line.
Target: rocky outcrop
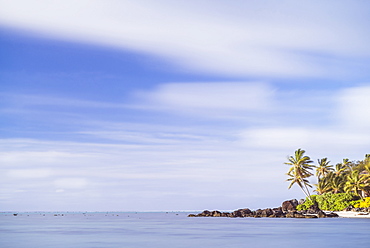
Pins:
x,y
287,210
215,213
245,212
290,205
353,209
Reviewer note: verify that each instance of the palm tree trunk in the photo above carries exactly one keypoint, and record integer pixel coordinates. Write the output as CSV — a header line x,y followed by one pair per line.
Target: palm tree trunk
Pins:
x,y
308,192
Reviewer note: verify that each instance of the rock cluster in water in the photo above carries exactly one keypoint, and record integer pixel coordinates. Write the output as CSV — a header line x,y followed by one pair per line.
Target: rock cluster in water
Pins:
x,y
288,209
353,209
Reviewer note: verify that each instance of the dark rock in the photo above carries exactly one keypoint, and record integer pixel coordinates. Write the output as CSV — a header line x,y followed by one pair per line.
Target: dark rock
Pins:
x,y
349,208
225,214
206,213
358,210
290,215
301,201
278,209
309,216
237,213
321,214
275,213
216,213
287,210
289,205
332,215
267,212
293,214
258,212
300,215
245,212
314,209
279,215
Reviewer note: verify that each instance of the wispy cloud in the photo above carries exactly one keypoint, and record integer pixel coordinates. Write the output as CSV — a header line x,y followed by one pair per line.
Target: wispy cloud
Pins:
x,y
354,107
238,38
164,169
209,99
70,183
29,101
29,173
181,144
169,160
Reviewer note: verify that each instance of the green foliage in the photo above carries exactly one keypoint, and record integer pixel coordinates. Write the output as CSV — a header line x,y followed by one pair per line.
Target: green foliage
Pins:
x,y
323,168
323,186
300,171
308,203
350,177
363,203
330,201
356,182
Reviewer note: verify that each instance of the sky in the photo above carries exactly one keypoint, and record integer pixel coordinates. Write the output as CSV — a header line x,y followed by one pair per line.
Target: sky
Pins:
x,y
163,105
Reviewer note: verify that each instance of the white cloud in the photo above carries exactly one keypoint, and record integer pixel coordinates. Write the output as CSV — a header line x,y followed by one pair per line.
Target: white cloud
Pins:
x,y
21,153
276,138
123,161
233,38
210,99
29,173
141,137
70,183
333,142
355,107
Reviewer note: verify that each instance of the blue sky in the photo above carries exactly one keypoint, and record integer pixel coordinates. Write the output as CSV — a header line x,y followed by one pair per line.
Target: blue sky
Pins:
x,y
175,105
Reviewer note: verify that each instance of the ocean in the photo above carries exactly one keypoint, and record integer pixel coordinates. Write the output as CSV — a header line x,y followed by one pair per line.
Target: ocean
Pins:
x,y
176,230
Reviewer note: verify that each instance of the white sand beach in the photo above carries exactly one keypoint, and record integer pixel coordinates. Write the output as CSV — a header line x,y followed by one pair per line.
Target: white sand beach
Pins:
x,y
350,214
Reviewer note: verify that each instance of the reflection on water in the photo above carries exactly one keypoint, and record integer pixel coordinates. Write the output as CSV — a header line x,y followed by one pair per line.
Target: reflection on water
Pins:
x,y
174,229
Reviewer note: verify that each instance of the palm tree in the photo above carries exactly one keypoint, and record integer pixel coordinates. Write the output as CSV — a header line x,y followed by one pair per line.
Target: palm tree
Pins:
x,y
341,167
337,183
323,168
366,175
323,186
299,172
351,166
356,182
367,159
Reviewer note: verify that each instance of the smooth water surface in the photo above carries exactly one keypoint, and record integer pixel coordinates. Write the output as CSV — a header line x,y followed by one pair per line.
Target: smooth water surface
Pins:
x,y
162,230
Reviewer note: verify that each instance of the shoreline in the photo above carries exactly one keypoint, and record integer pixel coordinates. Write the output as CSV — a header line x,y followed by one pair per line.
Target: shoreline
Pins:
x,y
288,209
350,214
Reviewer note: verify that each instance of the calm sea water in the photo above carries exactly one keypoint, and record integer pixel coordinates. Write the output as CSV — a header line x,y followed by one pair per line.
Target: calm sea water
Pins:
x,y
175,230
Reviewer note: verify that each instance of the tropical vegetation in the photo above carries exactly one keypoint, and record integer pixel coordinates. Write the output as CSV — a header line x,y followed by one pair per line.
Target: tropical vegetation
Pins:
x,y
337,186
300,171
330,201
363,203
